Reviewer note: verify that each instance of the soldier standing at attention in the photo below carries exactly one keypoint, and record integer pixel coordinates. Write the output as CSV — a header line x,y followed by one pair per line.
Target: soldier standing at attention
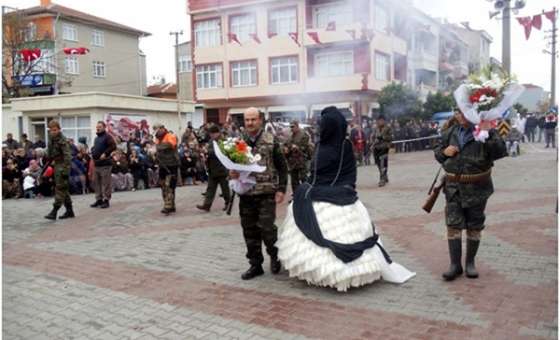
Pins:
x,y
217,173
468,185
168,160
61,156
298,151
257,207
381,140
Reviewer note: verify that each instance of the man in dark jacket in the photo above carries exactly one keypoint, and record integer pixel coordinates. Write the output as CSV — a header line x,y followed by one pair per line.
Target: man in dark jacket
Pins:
x,y
468,185
217,173
530,127
103,146
550,130
168,160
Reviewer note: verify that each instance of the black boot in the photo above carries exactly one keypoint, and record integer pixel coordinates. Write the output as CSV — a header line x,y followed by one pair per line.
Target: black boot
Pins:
x,y
203,207
472,248
455,268
104,204
69,213
254,271
275,265
52,214
96,204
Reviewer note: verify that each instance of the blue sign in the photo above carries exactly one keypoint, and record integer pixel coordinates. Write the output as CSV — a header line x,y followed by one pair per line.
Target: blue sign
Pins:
x,y
31,80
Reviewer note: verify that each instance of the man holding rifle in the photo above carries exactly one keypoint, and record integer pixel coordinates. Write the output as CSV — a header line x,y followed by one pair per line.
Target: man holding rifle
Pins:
x,y
467,186
168,161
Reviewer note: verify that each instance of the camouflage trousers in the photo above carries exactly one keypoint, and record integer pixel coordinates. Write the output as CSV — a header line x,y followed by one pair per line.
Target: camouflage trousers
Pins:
x,y
457,217
213,183
11,189
258,213
61,187
382,162
297,176
168,183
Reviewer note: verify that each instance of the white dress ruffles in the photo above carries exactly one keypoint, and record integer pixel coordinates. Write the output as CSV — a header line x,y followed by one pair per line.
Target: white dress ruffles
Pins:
x,y
319,266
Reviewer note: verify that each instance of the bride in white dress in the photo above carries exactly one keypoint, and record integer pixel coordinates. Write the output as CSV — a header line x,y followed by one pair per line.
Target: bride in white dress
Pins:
x,y
327,237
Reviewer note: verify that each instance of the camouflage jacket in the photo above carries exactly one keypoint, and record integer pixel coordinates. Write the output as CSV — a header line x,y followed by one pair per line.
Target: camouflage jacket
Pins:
x,y
59,152
275,177
473,158
382,139
298,150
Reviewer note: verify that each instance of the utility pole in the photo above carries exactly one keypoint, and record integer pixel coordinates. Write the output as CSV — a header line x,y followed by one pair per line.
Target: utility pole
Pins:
x,y
176,34
553,53
506,37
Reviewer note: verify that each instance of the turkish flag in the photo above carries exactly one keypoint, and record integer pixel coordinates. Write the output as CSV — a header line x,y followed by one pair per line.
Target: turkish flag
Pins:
x,y
551,15
233,37
527,23
272,35
35,53
352,33
537,21
331,26
294,37
83,50
255,37
314,36
30,55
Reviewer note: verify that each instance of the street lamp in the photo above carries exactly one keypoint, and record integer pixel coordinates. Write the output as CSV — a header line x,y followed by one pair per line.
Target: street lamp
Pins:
x,y
505,6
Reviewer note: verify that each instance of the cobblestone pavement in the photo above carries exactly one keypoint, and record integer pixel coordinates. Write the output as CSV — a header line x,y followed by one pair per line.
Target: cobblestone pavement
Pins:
x,y
130,273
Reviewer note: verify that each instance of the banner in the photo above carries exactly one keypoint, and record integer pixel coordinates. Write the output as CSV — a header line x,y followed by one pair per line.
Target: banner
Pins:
x,y
125,126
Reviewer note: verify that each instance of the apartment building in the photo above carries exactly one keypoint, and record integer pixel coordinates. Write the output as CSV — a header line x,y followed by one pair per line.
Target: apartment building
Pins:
x,y
185,71
293,58
479,44
113,64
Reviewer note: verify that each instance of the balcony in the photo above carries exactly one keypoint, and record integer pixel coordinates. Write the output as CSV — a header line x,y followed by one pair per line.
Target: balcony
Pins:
x,y
421,59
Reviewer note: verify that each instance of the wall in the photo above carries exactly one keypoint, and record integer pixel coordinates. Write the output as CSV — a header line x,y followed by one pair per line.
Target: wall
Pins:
x,y
10,122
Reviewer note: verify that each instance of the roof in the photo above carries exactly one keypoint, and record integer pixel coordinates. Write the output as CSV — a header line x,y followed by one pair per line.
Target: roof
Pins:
x,y
167,88
70,13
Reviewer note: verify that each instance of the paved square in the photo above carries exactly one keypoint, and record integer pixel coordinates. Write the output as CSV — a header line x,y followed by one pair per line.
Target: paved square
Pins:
x,y
129,273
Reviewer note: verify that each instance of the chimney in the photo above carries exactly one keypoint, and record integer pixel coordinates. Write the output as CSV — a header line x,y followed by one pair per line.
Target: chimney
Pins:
x,y
45,3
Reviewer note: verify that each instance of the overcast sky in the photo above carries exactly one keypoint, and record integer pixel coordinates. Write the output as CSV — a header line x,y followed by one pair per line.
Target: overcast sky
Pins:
x,y
529,63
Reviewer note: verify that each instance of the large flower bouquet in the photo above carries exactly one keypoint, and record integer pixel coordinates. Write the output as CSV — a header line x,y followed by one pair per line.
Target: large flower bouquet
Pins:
x,y
236,155
486,97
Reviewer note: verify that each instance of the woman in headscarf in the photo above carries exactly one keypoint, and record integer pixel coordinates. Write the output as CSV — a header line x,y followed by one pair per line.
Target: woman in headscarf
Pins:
x,y
327,237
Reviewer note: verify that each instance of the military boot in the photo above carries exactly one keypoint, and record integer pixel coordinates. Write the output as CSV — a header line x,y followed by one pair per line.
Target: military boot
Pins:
x,y
254,271
96,204
455,268
203,207
472,248
69,213
275,265
52,214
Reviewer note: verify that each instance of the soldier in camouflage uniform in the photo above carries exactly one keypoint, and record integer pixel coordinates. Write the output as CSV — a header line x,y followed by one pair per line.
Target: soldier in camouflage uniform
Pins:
x,y
257,207
168,162
468,185
59,153
297,150
382,137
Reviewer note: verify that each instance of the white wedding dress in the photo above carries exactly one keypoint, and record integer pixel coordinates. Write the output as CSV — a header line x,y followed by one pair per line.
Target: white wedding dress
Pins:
x,y
319,266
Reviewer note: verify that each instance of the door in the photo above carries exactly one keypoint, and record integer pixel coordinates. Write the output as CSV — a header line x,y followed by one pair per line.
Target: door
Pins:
x,y
213,116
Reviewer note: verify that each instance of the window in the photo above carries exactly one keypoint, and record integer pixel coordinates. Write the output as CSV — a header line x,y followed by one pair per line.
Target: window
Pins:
x,y
209,76
185,64
282,21
381,19
71,65
69,32
30,32
76,127
98,38
242,26
340,13
382,67
207,33
334,64
99,69
46,62
244,73
284,70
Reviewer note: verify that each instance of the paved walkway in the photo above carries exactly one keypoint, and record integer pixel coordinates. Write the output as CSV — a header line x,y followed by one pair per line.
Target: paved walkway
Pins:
x,y
130,273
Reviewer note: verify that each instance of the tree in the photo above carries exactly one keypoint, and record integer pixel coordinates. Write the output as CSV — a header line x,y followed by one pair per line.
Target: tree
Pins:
x,y
438,102
396,100
520,108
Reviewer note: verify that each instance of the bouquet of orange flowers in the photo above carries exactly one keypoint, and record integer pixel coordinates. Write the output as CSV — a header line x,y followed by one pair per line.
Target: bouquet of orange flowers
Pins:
x,y
236,155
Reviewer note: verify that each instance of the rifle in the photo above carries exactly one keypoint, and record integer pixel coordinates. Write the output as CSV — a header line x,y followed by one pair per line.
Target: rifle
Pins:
x,y
433,193
229,206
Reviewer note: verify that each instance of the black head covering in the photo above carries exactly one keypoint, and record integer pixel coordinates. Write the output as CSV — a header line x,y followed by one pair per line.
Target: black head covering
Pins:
x,y
334,151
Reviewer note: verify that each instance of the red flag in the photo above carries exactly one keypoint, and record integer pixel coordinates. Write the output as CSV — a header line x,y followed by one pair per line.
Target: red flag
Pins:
x,y
314,36
272,35
75,50
352,34
233,37
551,15
255,37
537,21
294,37
82,50
331,26
25,54
35,53
527,23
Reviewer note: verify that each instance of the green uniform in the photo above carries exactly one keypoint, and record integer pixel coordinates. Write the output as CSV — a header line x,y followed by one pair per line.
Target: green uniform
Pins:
x,y
381,143
466,201
60,153
257,208
217,175
298,154
168,160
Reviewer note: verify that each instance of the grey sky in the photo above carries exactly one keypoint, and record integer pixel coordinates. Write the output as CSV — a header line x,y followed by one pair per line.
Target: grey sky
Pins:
x,y
529,63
